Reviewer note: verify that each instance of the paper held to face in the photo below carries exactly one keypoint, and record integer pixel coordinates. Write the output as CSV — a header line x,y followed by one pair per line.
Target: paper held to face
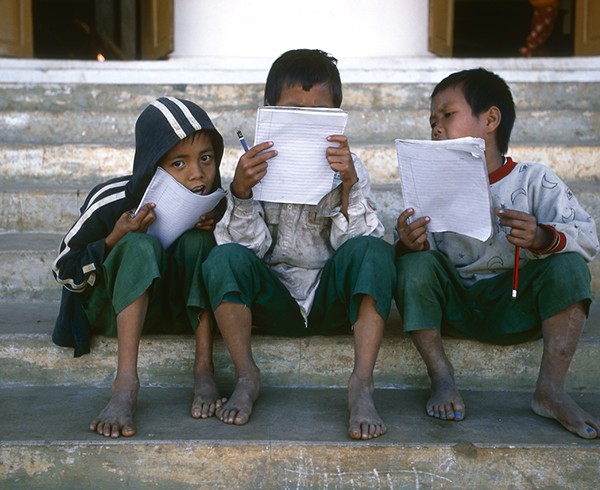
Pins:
x,y
447,181
300,173
177,208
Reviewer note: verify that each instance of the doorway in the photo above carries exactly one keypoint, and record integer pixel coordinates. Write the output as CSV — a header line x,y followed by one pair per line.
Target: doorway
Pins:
x,y
87,29
496,28
492,28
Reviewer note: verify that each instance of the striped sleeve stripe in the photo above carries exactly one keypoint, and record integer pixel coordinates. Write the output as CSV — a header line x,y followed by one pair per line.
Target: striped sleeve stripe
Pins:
x,y
73,231
108,187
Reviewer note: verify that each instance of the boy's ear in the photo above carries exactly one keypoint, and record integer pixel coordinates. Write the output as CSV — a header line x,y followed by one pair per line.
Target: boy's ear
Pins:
x,y
493,116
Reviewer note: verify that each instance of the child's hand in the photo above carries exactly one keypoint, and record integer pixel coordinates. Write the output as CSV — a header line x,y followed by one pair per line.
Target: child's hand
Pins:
x,y
524,229
208,221
127,222
250,169
340,160
413,236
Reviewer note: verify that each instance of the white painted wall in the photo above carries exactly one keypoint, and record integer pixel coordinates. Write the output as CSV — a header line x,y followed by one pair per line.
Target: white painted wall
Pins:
x,y
267,28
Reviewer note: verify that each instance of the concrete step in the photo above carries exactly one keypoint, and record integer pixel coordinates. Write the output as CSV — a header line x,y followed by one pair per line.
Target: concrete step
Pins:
x,y
25,265
563,127
131,98
39,165
296,438
548,113
35,206
29,358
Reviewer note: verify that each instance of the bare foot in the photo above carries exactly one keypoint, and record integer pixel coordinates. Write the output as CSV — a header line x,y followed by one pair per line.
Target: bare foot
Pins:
x,y
365,422
445,402
238,408
561,407
117,417
206,397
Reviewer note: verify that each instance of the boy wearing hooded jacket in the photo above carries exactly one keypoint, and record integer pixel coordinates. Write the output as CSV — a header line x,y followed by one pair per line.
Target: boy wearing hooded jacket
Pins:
x,y
117,280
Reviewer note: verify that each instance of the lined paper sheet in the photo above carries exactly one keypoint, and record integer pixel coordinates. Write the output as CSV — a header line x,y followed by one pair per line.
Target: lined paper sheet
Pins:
x,y
300,172
447,181
177,208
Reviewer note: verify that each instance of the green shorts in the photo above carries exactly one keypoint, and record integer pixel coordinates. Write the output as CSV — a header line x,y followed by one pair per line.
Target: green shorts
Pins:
x,y
430,295
174,279
361,266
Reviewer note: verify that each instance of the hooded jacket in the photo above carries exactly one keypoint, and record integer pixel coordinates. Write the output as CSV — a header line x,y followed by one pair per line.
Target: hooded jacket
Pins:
x,y
159,128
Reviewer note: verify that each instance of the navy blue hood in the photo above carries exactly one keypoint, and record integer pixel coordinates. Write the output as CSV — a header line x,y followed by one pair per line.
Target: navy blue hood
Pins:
x,y
162,125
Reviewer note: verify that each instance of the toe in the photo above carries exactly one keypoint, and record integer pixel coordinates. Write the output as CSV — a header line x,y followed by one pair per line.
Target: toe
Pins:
x,y
115,431
128,430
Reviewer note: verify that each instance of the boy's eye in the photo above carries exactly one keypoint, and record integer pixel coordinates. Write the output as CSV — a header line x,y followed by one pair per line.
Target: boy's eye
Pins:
x,y
178,164
448,114
207,158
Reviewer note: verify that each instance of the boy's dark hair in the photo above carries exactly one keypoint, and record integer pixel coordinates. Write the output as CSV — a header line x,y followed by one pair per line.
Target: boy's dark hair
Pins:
x,y
305,67
483,89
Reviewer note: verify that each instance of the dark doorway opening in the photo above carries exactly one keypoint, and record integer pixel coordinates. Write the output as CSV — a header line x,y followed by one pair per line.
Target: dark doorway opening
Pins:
x,y
85,29
498,28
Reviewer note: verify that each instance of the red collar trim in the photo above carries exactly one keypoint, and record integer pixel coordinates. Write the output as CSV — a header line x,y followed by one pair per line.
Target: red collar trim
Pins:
x,y
503,171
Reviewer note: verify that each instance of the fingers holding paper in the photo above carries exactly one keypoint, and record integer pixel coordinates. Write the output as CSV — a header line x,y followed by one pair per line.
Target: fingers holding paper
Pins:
x,y
340,159
251,168
413,235
524,229
208,221
130,221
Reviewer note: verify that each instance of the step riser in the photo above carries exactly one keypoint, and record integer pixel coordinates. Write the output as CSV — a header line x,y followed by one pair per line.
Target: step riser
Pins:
x,y
554,127
51,211
132,98
33,360
94,163
218,465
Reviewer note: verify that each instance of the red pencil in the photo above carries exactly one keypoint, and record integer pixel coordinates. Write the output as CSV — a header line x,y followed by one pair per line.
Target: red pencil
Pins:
x,y
516,272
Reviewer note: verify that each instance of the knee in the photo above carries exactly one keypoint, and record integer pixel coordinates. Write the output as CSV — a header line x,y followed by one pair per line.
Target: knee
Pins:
x,y
231,256
368,248
416,269
565,271
139,252
195,243
139,245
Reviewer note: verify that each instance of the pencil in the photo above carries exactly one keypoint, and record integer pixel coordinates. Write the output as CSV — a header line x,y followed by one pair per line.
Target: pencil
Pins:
x,y
242,140
515,284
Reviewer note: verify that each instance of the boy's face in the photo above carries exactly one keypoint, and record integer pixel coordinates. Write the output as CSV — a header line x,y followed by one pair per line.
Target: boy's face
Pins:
x,y
192,163
295,96
451,117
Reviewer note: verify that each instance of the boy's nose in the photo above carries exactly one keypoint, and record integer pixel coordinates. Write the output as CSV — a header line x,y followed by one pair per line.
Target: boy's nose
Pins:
x,y
196,171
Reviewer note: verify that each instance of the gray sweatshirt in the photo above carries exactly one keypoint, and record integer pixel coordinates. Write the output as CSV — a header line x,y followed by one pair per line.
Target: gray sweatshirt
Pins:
x,y
534,189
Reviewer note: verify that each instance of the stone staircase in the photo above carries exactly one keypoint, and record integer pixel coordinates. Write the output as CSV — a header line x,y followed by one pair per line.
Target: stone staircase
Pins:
x,y
58,139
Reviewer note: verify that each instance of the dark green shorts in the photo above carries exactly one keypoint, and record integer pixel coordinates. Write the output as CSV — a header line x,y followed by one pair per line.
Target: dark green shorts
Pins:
x,y
431,295
174,278
361,266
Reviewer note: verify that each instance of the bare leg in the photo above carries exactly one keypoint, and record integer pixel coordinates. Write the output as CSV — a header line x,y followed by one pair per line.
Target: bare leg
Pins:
x,y
561,334
235,324
365,422
206,395
117,417
445,402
